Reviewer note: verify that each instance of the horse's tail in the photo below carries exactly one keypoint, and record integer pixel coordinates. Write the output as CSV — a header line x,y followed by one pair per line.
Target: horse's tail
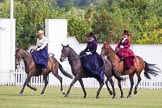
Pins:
x,y
64,72
151,69
116,75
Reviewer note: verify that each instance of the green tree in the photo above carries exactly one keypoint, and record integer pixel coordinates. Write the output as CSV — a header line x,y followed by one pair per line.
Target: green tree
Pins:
x,y
78,26
30,13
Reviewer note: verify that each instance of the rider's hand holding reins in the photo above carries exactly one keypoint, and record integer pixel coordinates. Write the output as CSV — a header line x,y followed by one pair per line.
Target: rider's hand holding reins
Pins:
x,y
88,53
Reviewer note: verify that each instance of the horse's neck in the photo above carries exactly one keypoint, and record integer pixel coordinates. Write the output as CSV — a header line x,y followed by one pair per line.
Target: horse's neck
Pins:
x,y
113,57
27,59
73,57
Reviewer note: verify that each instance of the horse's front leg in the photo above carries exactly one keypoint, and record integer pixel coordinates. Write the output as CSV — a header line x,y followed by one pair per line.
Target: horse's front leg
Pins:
x,y
45,84
99,90
112,85
25,83
82,85
72,83
106,82
121,91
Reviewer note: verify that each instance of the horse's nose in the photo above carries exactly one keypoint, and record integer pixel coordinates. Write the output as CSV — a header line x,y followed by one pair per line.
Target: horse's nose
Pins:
x,y
17,63
16,67
61,59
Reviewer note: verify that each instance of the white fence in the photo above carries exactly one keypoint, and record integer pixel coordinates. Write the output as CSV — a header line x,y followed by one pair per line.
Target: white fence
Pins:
x,y
20,76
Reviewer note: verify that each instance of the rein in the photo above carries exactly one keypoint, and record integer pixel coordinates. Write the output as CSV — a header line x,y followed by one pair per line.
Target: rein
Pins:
x,y
77,58
112,53
72,58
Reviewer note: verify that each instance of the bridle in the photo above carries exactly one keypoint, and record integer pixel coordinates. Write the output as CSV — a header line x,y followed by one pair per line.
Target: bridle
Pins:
x,y
108,55
72,58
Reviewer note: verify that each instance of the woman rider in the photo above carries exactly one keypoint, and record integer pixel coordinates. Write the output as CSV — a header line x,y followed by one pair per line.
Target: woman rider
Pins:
x,y
124,51
91,60
40,52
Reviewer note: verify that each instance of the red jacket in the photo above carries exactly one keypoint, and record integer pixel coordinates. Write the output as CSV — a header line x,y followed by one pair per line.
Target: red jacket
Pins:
x,y
124,42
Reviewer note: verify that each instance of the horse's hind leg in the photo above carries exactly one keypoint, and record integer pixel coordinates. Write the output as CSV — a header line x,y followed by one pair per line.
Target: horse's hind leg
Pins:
x,y
112,85
139,79
33,88
55,73
99,90
106,82
82,85
132,83
25,83
45,84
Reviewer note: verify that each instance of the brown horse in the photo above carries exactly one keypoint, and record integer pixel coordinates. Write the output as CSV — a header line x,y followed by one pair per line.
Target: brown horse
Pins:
x,y
31,69
139,66
79,72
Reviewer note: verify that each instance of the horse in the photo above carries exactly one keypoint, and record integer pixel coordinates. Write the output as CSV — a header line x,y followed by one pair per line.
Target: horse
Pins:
x,y
140,65
79,72
32,70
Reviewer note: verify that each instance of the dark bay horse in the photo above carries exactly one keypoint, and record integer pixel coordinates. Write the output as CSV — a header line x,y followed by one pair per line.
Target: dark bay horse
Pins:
x,y
79,72
31,69
139,66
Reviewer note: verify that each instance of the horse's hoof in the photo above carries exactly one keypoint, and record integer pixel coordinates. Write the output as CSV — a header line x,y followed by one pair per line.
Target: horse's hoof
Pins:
x,y
129,97
121,97
41,93
20,94
63,92
113,97
84,96
35,89
97,97
135,92
66,95
110,92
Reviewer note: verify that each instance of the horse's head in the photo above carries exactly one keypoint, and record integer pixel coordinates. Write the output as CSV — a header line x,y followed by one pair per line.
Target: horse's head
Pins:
x,y
19,54
64,52
105,49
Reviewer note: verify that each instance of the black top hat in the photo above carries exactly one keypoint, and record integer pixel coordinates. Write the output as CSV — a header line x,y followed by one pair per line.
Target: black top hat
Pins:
x,y
91,34
126,32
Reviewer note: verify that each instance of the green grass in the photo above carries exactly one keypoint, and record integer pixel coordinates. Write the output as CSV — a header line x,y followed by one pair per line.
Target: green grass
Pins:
x,y
54,99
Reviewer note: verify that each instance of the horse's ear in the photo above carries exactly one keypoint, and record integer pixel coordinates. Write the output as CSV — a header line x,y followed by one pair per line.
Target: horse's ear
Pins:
x,y
62,45
17,49
67,45
108,41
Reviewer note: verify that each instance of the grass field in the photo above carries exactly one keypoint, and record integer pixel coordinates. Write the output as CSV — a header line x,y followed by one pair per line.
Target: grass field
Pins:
x,y
54,99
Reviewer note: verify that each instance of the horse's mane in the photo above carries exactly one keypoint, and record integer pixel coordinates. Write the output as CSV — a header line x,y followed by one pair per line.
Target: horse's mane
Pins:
x,y
72,50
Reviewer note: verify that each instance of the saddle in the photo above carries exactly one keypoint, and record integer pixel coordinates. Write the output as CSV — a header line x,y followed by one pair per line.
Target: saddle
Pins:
x,y
128,61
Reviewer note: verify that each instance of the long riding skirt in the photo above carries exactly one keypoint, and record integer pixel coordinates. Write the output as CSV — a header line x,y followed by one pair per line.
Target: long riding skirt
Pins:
x,y
129,57
41,58
94,65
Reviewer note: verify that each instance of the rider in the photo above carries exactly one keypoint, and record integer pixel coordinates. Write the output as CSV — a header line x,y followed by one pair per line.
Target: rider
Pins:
x,y
124,52
91,60
40,52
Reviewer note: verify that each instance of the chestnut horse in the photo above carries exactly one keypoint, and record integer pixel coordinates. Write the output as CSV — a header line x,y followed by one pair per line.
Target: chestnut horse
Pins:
x,y
79,72
31,69
139,66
